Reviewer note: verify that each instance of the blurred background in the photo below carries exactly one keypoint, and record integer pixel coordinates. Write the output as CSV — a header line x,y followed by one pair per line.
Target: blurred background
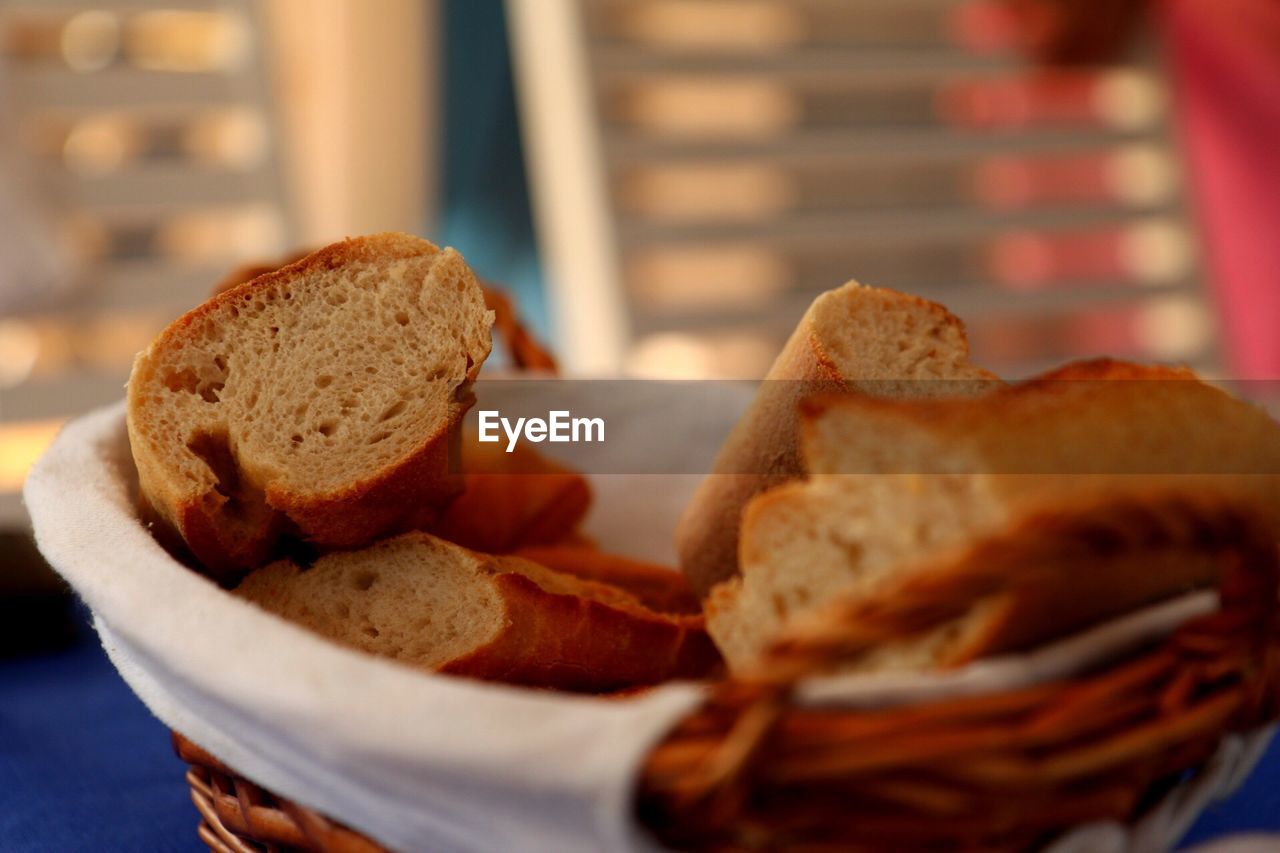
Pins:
x,y
663,184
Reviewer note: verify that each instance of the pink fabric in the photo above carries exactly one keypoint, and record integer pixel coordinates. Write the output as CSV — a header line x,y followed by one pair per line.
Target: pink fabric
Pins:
x,y
1226,63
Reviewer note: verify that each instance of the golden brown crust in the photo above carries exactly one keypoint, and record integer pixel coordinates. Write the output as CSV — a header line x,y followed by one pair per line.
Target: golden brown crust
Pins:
x,y
1054,445
1068,570
1110,369
764,449
1099,417
405,496
371,248
568,642
658,587
761,452
512,500
221,551
437,606
250,271
930,410
1045,576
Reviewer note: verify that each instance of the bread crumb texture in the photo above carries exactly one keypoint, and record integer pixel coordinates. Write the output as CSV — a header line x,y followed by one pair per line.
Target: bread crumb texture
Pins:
x,y
414,598
306,388
895,485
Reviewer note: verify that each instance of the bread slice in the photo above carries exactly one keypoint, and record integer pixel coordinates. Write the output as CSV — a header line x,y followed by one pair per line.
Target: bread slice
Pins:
x,y
862,339
317,400
512,500
897,484
523,350
1045,577
434,605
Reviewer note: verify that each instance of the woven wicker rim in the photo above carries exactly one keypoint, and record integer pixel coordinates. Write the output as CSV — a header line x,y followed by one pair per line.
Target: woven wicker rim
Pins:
x,y
238,816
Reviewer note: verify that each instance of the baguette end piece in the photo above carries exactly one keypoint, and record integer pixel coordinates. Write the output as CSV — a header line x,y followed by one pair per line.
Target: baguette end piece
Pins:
x,y
437,606
854,339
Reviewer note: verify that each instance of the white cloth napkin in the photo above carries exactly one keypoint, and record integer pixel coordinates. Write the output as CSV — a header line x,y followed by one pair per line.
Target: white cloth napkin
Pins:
x,y
423,762
418,762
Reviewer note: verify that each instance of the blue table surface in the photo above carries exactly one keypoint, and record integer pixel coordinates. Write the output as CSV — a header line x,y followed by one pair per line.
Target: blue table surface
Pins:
x,y
84,765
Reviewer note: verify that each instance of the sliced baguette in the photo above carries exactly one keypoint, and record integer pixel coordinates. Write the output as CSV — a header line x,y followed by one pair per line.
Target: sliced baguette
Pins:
x,y
1045,577
434,605
897,484
523,350
317,400
856,338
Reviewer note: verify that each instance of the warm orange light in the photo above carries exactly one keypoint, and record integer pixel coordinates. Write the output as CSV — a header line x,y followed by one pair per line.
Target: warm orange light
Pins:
x,y
21,444
187,41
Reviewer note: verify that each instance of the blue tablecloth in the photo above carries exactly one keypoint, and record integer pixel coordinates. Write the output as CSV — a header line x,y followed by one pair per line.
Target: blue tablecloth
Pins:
x,y
84,766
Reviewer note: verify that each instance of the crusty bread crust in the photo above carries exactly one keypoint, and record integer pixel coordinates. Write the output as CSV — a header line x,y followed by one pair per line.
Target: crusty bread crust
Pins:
x,y
1096,417
898,485
236,526
951,412
431,604
658,587
571,642
250,271
1049,574
763,450
512,500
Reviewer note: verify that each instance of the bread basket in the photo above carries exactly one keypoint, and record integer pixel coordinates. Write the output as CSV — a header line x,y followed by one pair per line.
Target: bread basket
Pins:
x,y
1111,740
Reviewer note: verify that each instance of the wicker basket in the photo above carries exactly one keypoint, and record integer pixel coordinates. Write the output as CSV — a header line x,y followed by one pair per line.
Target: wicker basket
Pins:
x,y
755,767
239,817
